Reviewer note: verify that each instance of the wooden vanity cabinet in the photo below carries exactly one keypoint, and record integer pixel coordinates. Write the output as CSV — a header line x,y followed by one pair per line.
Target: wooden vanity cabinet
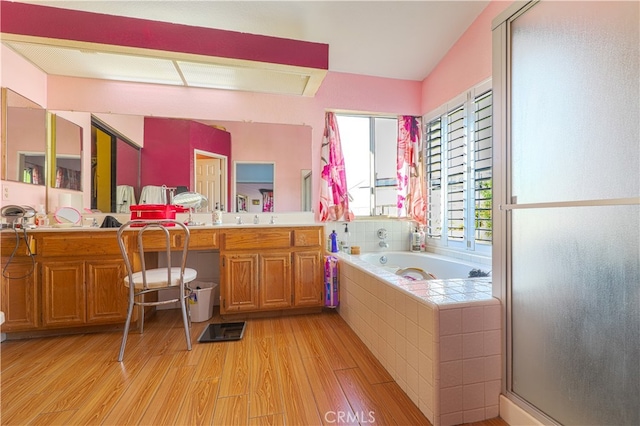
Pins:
x,y
20,302
271,269
19,284
81,276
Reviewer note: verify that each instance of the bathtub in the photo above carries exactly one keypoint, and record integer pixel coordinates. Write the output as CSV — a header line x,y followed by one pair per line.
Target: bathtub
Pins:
x,y
438,267
440,339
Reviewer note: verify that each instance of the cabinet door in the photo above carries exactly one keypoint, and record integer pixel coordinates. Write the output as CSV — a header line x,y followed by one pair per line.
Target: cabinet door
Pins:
x,y
20,295
308,278
63,293
239,290
107,297
275,280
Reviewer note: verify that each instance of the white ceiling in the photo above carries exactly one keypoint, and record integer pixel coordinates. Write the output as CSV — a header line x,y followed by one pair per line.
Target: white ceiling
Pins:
x,y
395,39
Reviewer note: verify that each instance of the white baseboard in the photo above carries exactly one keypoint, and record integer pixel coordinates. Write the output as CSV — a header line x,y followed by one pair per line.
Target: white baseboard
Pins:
x,y
514,415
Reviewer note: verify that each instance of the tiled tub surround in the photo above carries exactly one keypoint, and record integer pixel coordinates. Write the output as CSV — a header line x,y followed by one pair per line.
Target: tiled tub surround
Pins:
x,y
439,339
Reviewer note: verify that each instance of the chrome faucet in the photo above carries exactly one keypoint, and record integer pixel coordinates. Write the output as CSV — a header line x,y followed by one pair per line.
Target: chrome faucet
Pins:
x,y
382,234
273,220
239,220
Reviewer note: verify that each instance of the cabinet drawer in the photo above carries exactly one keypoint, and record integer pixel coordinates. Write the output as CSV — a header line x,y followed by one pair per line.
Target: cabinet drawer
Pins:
x,y
256,239
83,244
203,239
8,244
307,237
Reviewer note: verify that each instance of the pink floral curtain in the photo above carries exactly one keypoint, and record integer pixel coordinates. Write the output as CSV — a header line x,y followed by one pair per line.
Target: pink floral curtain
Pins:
x,y
334,199
411,200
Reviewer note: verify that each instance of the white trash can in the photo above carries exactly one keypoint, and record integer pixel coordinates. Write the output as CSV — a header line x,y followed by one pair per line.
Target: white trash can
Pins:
x,y
202,300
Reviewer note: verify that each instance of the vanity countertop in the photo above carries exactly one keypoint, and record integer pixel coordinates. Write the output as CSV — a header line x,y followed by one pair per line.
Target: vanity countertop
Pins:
x,y
195,227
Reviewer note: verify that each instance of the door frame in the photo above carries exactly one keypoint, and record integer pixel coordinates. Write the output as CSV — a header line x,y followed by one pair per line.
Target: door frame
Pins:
x,y
224,172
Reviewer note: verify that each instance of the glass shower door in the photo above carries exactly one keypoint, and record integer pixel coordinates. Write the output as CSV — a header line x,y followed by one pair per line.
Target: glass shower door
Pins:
x,y
574,212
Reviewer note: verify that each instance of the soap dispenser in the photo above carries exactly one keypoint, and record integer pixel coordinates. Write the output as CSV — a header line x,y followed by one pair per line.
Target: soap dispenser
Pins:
x,y
217,216
346,243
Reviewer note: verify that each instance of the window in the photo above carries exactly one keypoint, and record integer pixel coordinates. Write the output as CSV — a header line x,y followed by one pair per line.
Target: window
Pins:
x,y
457,149
369,150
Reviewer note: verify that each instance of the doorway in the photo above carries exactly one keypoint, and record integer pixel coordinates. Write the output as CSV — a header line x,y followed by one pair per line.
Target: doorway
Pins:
x,y
210,176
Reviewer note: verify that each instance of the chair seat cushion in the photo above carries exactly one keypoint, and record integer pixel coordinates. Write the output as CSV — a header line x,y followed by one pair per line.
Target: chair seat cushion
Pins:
x,y
157,278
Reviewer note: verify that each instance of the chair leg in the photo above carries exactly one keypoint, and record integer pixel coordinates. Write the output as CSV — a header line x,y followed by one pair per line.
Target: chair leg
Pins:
x,y
126,330
186,320
142,314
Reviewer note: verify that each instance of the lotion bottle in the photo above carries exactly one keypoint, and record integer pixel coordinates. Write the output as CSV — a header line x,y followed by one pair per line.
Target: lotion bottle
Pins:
x,y
217,216
334,241
415,240
41,217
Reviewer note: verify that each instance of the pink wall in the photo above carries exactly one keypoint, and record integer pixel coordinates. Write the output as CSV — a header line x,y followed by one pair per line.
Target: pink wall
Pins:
x,y
288,146
167,158
127,161
27,80
466,64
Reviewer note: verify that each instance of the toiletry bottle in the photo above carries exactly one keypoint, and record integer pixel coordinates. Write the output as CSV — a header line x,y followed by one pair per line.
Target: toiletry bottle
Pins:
x,y
217,216
41,217
423,238
334,241
415,240
346,244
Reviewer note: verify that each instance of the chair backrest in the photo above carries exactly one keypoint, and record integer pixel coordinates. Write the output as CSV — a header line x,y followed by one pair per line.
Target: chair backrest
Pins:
x,y
167,229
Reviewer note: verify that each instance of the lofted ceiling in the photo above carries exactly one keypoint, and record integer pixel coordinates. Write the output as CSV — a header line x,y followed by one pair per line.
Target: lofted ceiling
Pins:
x,y
393,39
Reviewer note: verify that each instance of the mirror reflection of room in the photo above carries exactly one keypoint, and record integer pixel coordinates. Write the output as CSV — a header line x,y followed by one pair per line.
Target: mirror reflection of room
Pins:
x,y
115,170
254,187
26,139
68,155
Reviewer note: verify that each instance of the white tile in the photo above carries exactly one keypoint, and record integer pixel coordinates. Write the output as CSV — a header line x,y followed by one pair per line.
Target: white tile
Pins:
x,y
412,309
412,356
472,319
450,322
473,345
491,412
451,400
451,419
473,370
412,333
492,367
492,342
451,348
450,373
492,317
492,393
471,416
473,396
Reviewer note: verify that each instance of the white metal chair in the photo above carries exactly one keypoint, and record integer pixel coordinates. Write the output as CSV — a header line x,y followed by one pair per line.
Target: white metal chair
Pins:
x,y
159,234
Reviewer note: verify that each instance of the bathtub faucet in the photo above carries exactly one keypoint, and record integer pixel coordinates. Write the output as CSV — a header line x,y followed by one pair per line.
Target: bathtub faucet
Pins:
x,y
382,234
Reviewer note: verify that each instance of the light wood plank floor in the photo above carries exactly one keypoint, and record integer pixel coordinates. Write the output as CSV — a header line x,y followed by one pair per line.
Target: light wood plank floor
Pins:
x,y
294,370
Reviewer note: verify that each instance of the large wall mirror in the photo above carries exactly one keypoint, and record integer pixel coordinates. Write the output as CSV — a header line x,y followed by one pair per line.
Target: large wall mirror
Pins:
x,y
254,187
116,161
67,146
24,139
115,170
